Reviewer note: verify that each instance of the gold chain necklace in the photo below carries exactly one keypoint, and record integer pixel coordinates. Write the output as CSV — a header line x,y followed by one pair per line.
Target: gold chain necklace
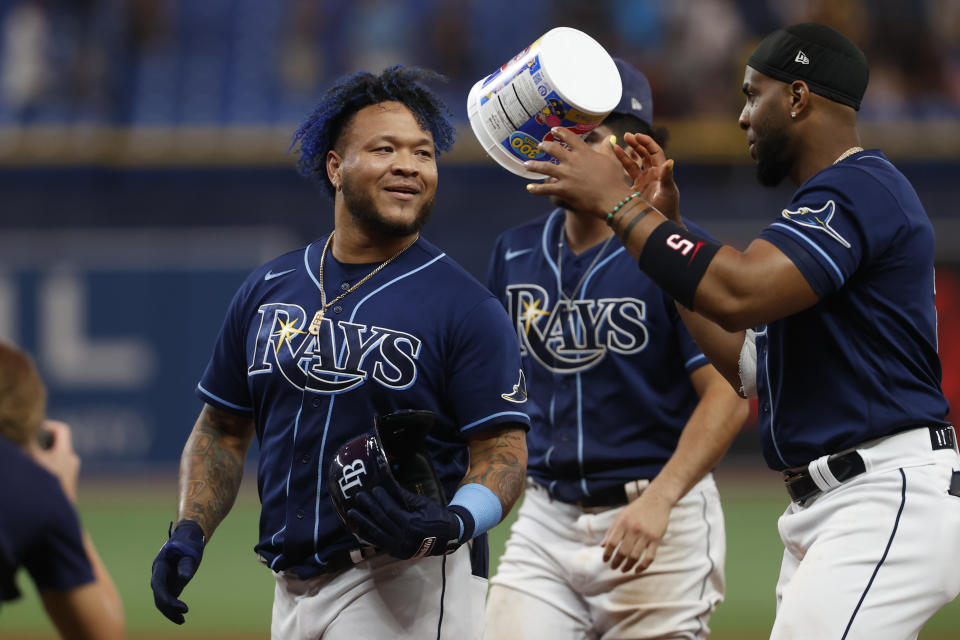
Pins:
x,y
324,305
849,152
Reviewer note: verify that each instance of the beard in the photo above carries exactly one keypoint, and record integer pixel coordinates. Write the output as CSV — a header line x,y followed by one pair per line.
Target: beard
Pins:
x,y
773,158
368,217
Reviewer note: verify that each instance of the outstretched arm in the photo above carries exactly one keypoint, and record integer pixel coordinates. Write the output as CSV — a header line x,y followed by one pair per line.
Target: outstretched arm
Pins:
x,y
738,290
211,467
636,533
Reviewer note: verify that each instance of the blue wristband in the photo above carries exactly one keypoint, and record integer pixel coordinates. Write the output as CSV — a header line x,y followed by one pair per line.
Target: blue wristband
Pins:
x,y
478,509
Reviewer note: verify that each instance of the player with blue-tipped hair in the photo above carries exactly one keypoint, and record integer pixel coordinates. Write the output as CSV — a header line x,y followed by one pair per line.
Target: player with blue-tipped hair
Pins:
x,y
368,321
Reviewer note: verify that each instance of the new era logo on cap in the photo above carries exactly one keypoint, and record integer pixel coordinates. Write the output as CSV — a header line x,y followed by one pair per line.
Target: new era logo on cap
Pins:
x,y
801,57
636,99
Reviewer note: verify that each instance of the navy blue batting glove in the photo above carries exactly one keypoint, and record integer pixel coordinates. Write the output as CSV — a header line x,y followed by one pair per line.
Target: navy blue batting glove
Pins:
x,y
404,524
174,567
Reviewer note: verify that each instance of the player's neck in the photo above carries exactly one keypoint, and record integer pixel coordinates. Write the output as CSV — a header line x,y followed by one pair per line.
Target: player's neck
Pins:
x,y
583,232
351,244
818,153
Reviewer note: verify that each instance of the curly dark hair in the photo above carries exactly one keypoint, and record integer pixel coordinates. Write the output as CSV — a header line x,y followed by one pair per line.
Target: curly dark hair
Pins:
x,y
321,130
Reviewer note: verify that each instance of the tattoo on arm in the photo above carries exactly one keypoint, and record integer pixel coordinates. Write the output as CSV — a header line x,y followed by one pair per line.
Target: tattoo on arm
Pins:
x,y
211,467
499,462
633,222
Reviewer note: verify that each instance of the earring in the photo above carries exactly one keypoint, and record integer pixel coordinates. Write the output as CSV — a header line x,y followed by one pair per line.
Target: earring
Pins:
x,y
793,114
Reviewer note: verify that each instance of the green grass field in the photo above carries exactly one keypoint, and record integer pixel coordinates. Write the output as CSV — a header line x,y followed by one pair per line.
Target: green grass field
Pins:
x,y
232,593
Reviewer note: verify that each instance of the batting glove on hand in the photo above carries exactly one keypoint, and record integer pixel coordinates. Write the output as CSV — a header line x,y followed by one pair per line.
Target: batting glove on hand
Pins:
x,y
404,524
174,567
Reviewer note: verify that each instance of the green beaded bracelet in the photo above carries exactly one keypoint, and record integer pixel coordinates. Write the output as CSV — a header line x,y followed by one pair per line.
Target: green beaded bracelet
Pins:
x,y
620,205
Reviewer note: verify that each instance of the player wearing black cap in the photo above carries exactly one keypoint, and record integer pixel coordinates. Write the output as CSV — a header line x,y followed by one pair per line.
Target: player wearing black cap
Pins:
x,y
828,319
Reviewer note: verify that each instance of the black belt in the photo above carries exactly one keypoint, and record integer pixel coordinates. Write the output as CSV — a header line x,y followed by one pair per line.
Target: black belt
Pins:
x,y
334,563
845,466
614,496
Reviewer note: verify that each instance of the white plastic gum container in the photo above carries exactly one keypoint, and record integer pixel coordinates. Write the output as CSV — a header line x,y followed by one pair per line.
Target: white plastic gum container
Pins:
x,y
565,78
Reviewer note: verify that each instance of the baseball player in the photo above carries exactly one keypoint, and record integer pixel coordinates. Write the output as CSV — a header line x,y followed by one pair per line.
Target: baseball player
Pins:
x,y
39,529
367,320
616,386
828,319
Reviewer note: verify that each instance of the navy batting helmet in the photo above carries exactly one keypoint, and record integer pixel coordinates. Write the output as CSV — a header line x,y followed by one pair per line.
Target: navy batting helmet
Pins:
x,y
360,465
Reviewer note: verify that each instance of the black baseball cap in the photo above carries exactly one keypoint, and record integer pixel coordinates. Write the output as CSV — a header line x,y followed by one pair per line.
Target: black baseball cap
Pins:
x,y
829,62
636,99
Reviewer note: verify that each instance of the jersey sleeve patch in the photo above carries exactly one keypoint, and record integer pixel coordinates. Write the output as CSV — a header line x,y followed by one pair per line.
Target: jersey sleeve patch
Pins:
x,y
818,219
519,392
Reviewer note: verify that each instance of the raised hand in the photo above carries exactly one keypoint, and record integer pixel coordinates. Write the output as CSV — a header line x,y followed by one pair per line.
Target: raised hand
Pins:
x,y
653,175
586,180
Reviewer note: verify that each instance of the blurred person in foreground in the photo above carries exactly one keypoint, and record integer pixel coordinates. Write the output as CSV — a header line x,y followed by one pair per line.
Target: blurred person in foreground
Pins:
x,y
368,320
628,419
39,528
828,319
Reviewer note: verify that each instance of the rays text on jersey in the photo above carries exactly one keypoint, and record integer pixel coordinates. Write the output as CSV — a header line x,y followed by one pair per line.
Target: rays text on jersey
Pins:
x,y
342,355
574,335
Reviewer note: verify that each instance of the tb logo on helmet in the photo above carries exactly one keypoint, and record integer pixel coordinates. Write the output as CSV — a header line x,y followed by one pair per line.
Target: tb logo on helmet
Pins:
x,y
352,476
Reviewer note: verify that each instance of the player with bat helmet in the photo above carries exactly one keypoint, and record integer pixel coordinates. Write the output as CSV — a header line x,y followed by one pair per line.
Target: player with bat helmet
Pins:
x,y
828,319
320,344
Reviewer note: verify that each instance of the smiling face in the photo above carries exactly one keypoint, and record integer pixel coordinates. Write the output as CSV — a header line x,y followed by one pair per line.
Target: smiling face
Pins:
x,y
765,118
385,167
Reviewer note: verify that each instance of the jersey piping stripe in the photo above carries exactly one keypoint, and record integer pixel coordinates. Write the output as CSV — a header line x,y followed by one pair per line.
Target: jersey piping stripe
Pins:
x,y
766,373
583,476
593,272
385,285
583,292
326,425
686,365
543,243
492,416
296,429
316,506
273,541
306,263
896,524
813,244
221,400
443,592
706,578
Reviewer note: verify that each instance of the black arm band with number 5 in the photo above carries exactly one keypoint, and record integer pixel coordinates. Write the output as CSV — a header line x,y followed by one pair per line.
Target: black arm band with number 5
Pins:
x,y
676,259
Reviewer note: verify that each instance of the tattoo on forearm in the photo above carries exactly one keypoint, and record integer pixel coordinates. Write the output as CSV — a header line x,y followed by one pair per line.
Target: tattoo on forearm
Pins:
x,y
211,468
500,464
633,222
